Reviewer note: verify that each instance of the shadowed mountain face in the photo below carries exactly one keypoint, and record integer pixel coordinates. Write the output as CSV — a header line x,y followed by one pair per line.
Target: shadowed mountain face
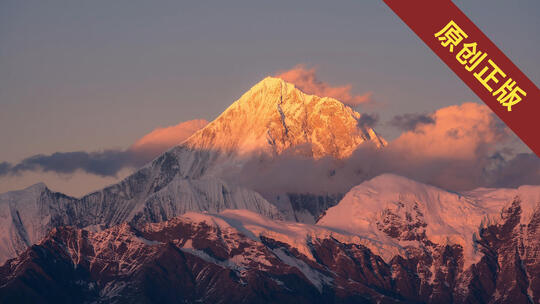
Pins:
x,y
272,117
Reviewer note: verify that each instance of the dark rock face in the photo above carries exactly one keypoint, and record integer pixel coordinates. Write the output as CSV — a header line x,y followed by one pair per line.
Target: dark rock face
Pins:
x,y
312,204
510,269
183,261
72,265
409,226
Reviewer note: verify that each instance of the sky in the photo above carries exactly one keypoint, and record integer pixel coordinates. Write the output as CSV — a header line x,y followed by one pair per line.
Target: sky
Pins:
x,y
99,75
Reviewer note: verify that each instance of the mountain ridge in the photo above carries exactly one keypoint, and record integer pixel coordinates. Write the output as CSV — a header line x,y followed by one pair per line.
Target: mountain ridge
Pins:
x,y
208,257
390,207
270,118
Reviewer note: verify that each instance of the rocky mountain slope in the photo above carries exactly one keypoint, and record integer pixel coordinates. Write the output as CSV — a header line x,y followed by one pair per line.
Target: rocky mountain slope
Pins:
x,y
239,256
272,117
481,246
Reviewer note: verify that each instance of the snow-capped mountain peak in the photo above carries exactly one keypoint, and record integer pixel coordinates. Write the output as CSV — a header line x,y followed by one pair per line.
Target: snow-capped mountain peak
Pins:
x,y
274,116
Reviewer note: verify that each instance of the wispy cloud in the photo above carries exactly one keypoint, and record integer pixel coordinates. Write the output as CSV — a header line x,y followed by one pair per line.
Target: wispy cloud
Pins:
x,y
104,163
368,120
5,167
457,132
306,80
409,122
108,162
162,139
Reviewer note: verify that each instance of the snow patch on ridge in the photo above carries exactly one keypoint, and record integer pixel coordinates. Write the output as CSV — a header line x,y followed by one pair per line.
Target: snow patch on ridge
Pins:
x,y
296,235
315,277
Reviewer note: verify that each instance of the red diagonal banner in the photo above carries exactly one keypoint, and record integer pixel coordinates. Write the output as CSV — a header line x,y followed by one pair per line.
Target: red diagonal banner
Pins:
x,y
477,61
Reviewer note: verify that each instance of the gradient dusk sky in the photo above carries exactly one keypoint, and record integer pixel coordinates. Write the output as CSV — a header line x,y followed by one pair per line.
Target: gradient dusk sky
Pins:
x,y
94,75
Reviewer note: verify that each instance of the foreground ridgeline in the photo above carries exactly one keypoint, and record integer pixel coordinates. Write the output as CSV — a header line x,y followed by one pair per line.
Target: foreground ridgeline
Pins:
x,y
180,230
399,253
